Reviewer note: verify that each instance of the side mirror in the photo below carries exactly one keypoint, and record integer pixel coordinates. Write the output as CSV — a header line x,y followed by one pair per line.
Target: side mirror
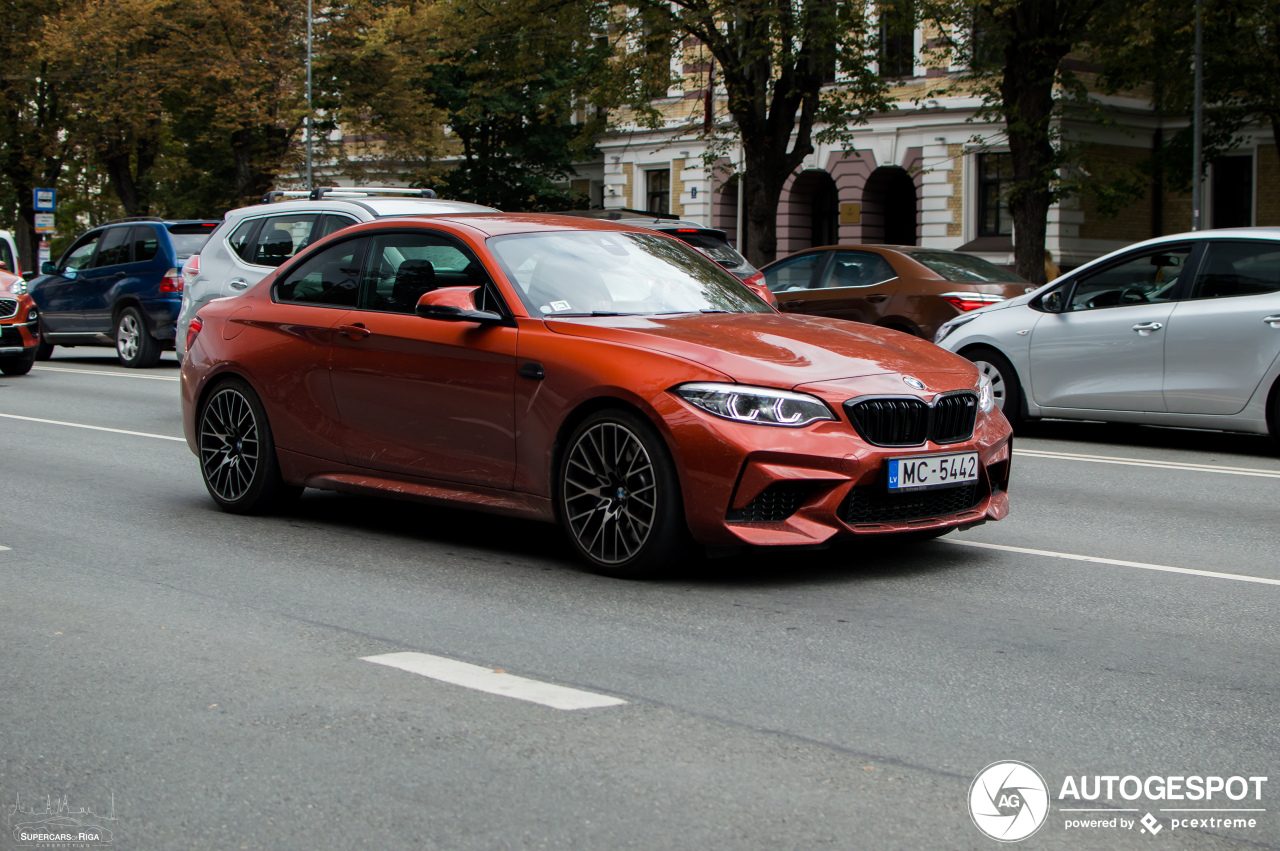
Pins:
x,y
1052,302
455,304
47,268
1166,260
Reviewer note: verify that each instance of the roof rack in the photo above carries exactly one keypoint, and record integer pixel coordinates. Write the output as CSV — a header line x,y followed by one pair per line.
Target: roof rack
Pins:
x,y
134,219
321,192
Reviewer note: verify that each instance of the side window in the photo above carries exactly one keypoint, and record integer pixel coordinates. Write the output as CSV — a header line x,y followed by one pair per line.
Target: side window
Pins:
x,y
794,274
240,239
1238,268
329,278
280,238
331,224
114,249
1147,278
80,254
145,243
857,269
6,257
403,266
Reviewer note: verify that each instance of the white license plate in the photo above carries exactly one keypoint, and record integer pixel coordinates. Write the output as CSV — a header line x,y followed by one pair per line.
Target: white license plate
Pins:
x,y
921,472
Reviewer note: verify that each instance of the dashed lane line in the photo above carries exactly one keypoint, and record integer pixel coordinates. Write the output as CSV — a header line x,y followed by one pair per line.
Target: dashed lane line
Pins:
x,y
104,372
493,681
94,427
1164,568
1145,462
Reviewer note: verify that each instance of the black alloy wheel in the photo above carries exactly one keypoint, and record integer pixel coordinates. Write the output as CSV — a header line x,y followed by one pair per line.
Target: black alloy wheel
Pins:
x,y
237,453
619,497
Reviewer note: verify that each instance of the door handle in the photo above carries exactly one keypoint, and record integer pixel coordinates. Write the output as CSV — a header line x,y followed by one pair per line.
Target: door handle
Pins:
x,y
355,332
239,284
795,302
119,275
1146,329
875,299
1273,321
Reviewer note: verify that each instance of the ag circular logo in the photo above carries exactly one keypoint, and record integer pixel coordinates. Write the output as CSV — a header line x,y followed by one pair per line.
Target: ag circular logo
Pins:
x,y
1008,801
911,381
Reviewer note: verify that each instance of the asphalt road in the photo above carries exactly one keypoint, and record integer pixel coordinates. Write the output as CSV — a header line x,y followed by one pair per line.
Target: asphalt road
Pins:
x,y
204,673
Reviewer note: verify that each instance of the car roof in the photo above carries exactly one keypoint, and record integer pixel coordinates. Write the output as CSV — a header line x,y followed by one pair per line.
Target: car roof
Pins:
x,y
378,207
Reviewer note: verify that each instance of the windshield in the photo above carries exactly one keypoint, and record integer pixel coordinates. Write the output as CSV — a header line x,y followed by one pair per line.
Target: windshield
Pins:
x,y
963,267
585,273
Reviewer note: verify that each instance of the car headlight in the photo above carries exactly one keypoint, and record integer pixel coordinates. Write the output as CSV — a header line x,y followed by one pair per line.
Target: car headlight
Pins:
x,y
950,325
986,396
18,287
761,405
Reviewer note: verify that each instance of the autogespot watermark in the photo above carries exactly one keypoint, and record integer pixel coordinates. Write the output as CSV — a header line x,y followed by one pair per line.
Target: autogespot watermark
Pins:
x,y
1010,801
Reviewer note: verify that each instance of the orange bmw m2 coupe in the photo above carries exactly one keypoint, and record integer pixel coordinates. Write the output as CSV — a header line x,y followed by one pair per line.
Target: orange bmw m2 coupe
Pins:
x,y
605,377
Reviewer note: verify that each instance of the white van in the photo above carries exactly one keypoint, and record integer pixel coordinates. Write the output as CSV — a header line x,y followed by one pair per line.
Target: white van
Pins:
x,y
9,253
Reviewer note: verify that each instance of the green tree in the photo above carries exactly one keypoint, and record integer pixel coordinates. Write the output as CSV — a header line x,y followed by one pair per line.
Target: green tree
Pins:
x,y
793,73
1014,51
34,117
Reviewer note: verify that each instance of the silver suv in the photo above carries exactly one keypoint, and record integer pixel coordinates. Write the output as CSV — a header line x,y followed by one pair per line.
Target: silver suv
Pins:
x,y
253,241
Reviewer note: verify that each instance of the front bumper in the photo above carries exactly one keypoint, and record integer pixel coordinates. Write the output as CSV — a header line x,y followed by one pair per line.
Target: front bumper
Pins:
x,y
764,486
18,336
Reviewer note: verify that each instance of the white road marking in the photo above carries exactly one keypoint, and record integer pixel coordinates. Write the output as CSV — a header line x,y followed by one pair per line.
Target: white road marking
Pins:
x,y
94,427
4,548
1145,462
493,682
1210,574
104,372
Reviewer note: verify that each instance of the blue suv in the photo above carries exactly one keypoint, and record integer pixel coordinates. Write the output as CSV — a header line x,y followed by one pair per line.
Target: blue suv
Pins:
x,y
118,285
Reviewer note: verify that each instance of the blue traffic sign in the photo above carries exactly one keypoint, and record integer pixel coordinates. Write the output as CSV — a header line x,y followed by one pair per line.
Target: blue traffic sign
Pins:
x,y
46,200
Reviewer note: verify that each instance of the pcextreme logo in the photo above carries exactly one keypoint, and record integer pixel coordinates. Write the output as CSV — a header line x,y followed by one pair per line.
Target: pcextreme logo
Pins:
x,y
1009,801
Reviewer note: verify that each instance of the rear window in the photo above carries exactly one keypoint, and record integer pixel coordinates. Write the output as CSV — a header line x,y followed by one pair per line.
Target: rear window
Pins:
x,y
963,267
714,244
189,239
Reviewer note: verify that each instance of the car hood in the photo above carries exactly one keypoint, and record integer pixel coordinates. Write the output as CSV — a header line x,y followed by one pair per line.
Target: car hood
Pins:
x,y
770,349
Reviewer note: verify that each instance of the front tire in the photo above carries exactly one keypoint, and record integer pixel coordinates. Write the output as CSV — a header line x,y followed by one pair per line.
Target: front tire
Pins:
x,y
19,365
1004,383
135,346
619,497
238,454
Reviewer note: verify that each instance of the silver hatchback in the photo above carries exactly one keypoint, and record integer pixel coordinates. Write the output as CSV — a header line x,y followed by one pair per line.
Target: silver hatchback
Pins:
x,y
1181,330
252,241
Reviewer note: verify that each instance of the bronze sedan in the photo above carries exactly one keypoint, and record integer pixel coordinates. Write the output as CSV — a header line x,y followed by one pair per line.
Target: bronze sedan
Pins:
x,y
907,288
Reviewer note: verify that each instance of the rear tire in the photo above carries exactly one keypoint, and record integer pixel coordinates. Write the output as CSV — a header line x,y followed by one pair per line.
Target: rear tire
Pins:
x,y
619,499
238,453
1004,383
135,346
19,365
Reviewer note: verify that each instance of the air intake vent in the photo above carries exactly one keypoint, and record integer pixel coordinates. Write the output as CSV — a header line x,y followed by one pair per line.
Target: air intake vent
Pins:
x,y
873,505
774,504
908,422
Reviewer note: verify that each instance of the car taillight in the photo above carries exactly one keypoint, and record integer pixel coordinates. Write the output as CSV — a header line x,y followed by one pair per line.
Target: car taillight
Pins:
x,y
756,282
192,330
965,302
171,282
190,269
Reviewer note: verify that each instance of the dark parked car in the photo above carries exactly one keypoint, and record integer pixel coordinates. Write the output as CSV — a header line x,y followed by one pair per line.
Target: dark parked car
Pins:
x,y
903,287
118,285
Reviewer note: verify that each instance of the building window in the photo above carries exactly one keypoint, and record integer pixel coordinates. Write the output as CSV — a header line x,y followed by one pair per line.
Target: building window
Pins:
x,y
986,52
897,38
1232,193
658,187
995,176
